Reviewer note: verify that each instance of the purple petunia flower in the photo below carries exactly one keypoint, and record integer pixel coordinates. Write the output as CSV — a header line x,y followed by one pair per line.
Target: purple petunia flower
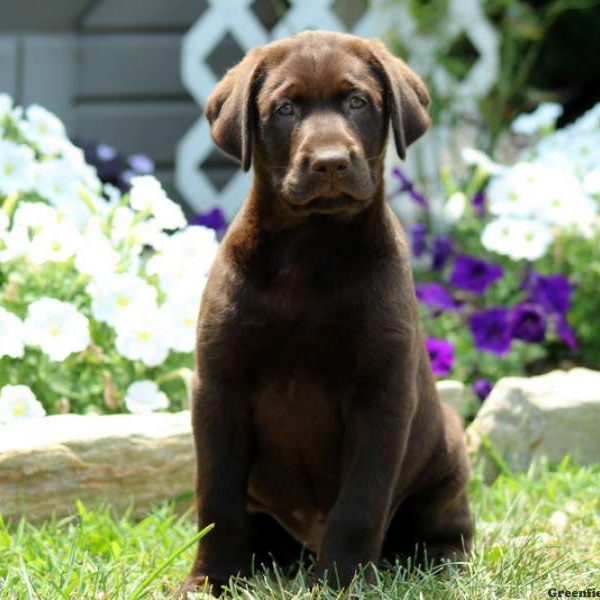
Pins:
x,y
441,252
418,243
141,163
474,274
565,333
441,355
482,388
406,185
553,292
491,330
435,295
215,219
478,204
528,322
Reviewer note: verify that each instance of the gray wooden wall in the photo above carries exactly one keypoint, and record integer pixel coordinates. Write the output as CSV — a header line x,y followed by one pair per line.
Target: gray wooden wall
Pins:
x,y
109,68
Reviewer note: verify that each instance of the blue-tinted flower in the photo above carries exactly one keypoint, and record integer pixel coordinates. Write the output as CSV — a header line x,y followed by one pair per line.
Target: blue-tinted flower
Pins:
x,y
441,252
482,388
214,218
553,292
565,333
441,355
141,164
435,295
474,274
105,152
126,177
406,185
491,330
418,242
528,322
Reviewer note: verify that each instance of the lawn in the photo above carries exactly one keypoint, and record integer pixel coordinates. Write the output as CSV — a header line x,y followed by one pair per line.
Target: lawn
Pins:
x,y
533,534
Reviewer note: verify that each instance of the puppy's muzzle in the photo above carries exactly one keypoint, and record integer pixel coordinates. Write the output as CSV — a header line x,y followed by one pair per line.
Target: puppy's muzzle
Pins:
x,y
327,179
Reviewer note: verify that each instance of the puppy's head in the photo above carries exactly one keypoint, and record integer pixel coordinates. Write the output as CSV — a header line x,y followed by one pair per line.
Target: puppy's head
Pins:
x,y
313,113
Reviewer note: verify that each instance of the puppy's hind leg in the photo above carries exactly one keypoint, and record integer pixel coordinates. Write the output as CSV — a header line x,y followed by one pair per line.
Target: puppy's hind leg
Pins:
x,y
431,527
434,523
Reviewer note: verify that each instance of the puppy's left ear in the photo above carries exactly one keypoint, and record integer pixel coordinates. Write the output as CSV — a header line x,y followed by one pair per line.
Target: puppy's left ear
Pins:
x,y
407,98
230,109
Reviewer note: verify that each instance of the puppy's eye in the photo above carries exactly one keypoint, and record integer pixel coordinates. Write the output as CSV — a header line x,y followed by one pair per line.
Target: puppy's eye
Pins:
x,y
356,102
285,109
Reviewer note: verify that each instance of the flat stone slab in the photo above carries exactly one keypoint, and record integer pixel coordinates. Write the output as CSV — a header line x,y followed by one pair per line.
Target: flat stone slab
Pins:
x,y
123,460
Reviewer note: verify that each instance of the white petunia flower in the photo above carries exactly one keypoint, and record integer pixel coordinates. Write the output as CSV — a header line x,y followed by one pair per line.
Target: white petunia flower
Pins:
x,y
148,196
6,105
122,223
4,221
8,109
534,190
43,128
516,192
563,202
589,121
120,297
96,256
591,182
144,397
180,315
186,256
58,328
584,150
113,194
143,337
57,243
454,208
11,335
35,216
473,157
517,238
13,243
15,167
543,117
55,181
19,402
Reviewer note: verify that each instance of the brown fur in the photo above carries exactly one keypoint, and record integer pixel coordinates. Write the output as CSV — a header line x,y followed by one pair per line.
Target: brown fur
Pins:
x,y
315,414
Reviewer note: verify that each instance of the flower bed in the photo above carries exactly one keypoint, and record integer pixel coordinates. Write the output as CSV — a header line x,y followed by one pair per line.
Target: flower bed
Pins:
x,y
507,264
99,291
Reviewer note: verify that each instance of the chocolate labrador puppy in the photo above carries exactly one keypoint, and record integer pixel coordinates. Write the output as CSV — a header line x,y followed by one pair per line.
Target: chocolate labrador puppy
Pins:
x,y
315,414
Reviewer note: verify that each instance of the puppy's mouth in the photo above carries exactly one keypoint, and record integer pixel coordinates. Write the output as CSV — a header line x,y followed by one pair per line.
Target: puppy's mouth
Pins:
x,y
326,205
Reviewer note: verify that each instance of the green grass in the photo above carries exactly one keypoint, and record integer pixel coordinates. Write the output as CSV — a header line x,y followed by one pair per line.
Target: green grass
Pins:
x,y
523,549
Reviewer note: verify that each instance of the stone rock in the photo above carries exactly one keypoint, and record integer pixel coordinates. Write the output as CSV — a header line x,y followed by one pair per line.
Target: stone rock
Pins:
x,y
123,460
452,393
527,420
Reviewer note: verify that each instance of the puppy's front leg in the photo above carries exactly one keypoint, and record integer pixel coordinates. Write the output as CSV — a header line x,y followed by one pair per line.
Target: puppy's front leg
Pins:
x,y
223,436
374,445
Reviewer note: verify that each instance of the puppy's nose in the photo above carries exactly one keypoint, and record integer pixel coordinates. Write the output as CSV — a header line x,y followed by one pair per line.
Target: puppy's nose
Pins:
x,y
330,162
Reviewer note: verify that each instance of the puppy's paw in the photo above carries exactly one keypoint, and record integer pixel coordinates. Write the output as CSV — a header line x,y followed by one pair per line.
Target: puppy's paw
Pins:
x,y
341,575
436,555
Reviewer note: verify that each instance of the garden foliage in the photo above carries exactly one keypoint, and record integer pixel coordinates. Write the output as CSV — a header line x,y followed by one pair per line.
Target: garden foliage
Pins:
x,y
99,290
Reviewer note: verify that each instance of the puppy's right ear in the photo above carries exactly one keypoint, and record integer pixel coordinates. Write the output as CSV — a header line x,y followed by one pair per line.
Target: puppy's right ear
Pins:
x,y
230,109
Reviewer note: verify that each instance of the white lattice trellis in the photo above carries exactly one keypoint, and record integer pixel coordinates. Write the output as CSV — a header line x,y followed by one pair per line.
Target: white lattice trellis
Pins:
x,y
238,19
